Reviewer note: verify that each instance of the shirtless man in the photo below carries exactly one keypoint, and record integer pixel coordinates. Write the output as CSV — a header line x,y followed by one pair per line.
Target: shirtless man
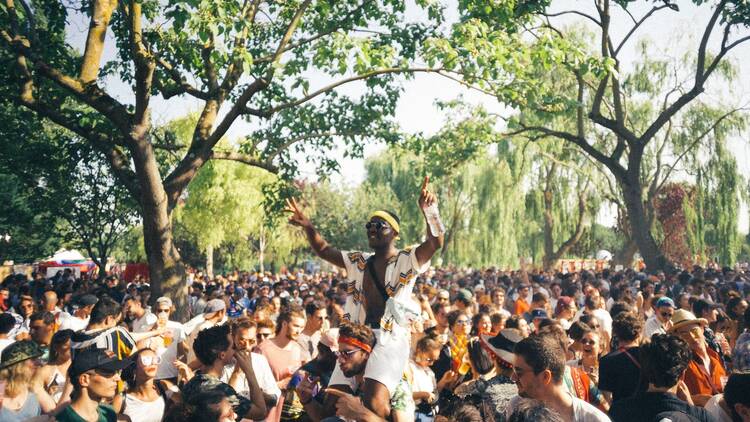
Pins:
x,y
373,281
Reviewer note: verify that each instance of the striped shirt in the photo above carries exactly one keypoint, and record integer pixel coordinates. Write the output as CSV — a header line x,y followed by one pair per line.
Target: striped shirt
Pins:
x,y
116,339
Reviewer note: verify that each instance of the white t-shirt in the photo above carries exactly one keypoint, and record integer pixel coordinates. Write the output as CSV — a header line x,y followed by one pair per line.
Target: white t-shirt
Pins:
x,y
168,354
582,411
653,326
605,319
423,379
72,322
144,323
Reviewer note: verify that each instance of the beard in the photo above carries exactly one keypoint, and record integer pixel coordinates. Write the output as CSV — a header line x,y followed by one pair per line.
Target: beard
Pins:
x,y
354,370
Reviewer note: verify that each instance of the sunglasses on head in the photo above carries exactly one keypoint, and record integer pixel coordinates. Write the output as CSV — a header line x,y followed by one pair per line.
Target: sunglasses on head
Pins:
x,y
377,224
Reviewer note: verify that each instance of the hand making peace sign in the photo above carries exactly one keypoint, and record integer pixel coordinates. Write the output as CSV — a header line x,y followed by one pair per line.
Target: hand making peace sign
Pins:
x,y
297,218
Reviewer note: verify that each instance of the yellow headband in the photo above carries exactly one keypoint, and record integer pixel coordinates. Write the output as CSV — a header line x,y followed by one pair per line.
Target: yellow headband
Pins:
x,y
388,219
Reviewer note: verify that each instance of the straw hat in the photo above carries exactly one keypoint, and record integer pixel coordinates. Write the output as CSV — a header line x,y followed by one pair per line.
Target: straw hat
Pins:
x,y
682,318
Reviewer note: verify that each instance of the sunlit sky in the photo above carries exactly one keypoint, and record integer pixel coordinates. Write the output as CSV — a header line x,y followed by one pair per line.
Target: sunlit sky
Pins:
x,y
670,31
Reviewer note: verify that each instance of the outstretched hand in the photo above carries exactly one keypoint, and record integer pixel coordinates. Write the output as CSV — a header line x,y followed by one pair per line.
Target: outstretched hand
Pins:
x,y
297,217
426,198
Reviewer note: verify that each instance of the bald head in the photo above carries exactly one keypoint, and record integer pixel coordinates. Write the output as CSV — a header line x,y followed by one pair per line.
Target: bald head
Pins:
x,y
50,301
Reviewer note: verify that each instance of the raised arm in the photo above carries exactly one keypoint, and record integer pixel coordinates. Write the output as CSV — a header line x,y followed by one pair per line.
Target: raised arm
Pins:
x,y
318,244
432,243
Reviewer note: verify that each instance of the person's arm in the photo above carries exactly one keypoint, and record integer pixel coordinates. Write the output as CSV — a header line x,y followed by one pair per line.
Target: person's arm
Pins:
x,y
333,392
432,243
313,408
351,408
46,402
258,410
316,241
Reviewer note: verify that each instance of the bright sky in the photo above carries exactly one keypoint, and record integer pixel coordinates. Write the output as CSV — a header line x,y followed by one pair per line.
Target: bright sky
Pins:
x,y
416,111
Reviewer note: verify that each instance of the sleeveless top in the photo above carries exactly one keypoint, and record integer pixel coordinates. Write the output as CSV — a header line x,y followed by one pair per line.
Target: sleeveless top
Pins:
x,y
144,411
29,409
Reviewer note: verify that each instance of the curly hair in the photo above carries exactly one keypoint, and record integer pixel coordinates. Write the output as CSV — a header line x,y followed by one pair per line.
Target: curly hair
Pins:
x,y
664,359
210,342
627,326
359,332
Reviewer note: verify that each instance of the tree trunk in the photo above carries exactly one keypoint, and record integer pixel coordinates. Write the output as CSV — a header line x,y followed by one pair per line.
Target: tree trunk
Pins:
x,y
262,249
640,231
166,271
550,256
624,256
210,260
549,225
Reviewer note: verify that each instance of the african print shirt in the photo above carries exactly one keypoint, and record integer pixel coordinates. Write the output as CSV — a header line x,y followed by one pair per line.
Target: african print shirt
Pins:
x,y
400,275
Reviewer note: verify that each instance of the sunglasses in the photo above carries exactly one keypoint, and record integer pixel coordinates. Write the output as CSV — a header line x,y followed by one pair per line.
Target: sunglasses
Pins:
x,y
264,335
346,354
150,360
162,311
667,314
377,224
588,342
463,322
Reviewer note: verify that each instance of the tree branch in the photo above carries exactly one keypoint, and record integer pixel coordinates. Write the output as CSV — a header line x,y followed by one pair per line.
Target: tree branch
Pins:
x,y
246,159
636,26
182,85
346,81
696,141
91,62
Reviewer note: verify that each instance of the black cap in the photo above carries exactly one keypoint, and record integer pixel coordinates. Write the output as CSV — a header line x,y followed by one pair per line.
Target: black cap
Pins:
x,y
86,300
88,359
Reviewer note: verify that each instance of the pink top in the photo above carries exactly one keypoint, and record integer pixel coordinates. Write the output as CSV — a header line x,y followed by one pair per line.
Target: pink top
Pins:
x,y
283,362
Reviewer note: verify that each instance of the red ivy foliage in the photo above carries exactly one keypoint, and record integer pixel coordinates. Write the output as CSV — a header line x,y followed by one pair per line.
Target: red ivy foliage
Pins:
x,y
670,213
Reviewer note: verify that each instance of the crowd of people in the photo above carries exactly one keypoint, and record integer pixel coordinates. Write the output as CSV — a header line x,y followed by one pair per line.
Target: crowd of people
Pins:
x,y
487,345
385,338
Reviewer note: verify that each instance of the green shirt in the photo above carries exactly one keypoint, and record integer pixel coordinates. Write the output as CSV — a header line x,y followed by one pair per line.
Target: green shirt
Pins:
x,y
106,414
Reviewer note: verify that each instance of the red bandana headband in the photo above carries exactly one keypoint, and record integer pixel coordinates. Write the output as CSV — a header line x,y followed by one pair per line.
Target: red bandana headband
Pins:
x,y
356,343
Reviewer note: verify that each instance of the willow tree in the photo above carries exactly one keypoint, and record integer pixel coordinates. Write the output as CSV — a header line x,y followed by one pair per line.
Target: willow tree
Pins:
x,y
239,60
488,52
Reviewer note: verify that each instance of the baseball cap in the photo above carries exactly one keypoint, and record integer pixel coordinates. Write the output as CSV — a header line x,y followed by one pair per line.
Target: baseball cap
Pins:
x,y
465,295
538,313
665,301
214,305
88,359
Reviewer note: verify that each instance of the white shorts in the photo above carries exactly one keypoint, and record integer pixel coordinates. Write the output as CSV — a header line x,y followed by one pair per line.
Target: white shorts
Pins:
x,y
386,363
